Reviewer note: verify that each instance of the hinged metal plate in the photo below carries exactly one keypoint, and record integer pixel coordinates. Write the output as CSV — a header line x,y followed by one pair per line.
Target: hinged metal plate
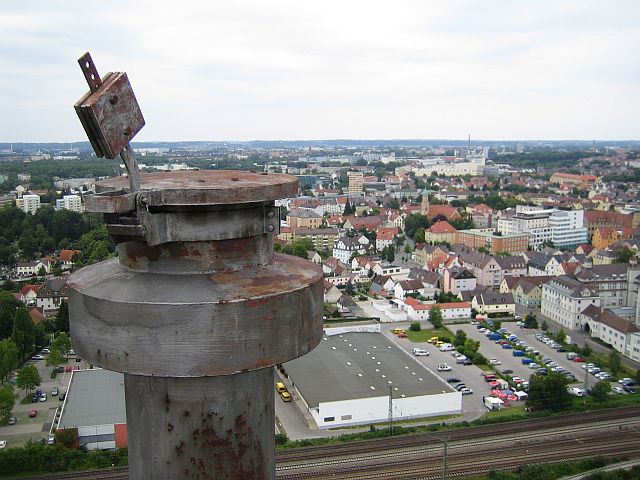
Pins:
x,y
111,115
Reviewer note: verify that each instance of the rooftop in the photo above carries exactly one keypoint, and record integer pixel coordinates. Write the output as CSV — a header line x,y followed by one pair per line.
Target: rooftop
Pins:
x,y
95,397
360,365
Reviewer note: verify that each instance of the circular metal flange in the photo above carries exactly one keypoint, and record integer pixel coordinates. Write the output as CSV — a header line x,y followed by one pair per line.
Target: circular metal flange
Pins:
x,y
192,325
206,187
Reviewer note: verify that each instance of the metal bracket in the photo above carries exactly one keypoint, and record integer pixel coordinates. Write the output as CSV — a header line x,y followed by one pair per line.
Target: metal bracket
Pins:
x,y
110,116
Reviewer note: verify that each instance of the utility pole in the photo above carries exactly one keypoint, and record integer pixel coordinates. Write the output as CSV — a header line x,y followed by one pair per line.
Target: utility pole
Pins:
x,y
390,410
445,460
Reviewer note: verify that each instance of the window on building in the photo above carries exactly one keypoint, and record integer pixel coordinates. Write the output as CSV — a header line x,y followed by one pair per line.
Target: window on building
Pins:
x,y
329,419
345,417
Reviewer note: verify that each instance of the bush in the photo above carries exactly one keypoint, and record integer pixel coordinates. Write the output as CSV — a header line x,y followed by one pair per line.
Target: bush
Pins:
x,y
54,373
415,326
281,439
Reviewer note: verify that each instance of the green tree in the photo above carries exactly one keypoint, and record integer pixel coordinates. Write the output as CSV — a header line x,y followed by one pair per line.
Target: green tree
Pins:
x,y
7,401
9,305
28,378
614,362
545,326
23,333
560,337
418,237
415,327
61,345
530,321
600,391
497,324
548,392
9,357
460,338
348,288
435,316
623,255
414,222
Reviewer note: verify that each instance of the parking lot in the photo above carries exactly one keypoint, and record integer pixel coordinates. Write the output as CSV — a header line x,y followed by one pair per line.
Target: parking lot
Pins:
x,y
34,428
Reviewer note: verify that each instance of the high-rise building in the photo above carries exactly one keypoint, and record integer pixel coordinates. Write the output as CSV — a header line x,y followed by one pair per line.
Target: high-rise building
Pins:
x,y
30,203
565,228
72,202
356,182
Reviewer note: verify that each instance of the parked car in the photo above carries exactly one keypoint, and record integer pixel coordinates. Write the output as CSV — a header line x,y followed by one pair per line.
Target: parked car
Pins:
x,y
466,391
495,361
447,347
33,413
443,367
45,351
420,352
37,357
507,371
68,368
460,386
453,380
62,396
3,444
578,392
55,392
60,369
51,441
43,397
286,396
618,390
628,389
13,420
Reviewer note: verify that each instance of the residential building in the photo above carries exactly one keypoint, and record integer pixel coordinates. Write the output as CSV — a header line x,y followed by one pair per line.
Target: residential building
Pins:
x,y
300,218
485,267
345,247
66,258
356,182
69,202
579,181
494,302
385,236
611,329
51,293
30,203
564,299
597,218
418,311
322,238
406,287
609,282
458,280
440,232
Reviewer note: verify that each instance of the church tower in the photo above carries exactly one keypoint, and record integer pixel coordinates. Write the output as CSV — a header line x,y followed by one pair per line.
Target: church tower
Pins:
x,y
424,205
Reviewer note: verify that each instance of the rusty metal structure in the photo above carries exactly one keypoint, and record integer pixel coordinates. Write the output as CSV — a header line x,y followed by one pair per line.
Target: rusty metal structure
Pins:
x,y
197,307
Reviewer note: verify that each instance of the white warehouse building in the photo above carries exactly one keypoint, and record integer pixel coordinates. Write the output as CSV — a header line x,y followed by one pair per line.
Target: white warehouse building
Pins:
x,y
348,378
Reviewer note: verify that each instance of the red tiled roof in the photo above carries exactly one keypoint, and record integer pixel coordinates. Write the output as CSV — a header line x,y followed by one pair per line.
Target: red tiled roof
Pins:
x,y
442,227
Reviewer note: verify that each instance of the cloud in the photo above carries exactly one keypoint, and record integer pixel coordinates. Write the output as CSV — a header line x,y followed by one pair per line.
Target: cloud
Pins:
x,y
369,69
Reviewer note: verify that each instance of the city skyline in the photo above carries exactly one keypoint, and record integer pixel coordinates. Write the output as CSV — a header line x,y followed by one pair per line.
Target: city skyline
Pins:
x,y
286,71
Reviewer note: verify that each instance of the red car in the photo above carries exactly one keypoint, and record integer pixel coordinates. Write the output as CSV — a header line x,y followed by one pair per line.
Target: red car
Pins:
x,y
68,368
578,359
402,335
33,413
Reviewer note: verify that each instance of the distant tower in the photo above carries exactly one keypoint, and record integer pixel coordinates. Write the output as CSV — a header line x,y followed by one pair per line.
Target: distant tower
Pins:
x,y
469,145
424,205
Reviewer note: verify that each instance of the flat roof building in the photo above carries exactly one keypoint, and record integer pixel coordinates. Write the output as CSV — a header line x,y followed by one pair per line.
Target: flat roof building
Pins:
x,y
348,378
94,404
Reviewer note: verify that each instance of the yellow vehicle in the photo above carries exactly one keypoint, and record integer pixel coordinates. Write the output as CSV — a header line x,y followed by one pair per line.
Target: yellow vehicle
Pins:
x,y
433,340
398,330
439,343
286,396
280,387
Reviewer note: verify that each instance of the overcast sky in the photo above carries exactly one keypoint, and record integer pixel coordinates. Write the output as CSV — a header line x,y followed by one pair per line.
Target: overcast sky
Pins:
x,y
244,70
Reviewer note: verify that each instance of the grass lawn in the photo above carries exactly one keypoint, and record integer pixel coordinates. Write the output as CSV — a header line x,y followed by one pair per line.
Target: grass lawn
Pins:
x,y
424,335
508,412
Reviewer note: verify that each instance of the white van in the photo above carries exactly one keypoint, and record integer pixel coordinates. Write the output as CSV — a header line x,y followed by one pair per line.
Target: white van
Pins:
x,y
446,347
461,359
419,352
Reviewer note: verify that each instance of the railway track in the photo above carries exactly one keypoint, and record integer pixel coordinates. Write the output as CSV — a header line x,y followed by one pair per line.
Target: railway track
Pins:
x,y
319,451
356,460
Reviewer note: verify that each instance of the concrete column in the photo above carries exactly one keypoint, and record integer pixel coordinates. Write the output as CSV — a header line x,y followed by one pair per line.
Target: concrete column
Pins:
x,y
201,428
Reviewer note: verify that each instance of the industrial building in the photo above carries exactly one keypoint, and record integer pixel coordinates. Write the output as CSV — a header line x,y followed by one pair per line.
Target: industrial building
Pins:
x,y
349,379
94,404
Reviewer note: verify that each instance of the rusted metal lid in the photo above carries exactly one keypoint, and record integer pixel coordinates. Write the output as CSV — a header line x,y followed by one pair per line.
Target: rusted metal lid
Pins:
x,y
205,187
